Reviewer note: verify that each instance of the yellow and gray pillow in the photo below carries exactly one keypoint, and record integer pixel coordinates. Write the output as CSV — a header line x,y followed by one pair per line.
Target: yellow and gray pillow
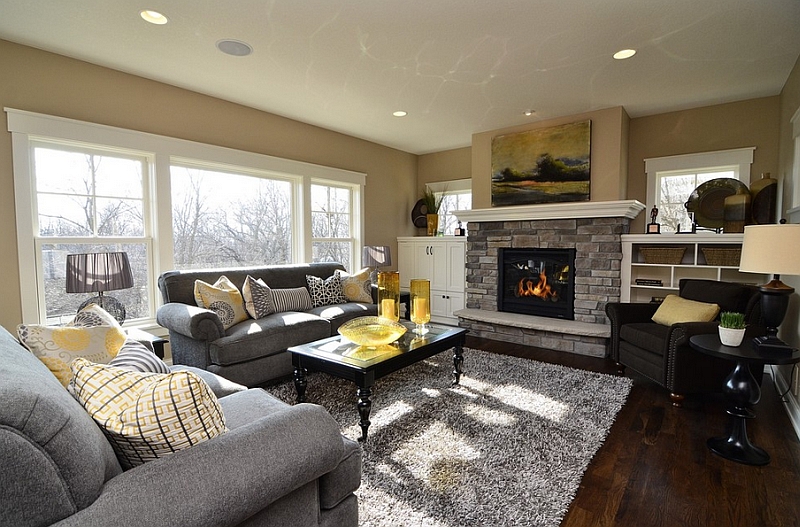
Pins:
x,y
223,298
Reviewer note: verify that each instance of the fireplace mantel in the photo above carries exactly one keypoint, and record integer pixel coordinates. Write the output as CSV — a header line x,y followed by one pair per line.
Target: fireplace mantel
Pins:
x,y
555,211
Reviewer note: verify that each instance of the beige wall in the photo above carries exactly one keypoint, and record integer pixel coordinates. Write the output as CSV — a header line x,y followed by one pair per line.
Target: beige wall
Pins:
x,y
735,125
43,82
609,168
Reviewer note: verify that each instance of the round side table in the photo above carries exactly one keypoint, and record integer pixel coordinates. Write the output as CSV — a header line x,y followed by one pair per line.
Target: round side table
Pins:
x,y
743,392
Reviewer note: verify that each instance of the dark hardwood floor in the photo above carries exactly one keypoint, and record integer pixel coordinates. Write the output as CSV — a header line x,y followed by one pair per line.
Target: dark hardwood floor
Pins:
x,y
655,470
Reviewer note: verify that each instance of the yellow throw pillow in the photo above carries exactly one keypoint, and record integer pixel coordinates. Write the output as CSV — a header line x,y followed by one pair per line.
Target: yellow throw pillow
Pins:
x,y
356,287
674,310
223,298
58,346
147,415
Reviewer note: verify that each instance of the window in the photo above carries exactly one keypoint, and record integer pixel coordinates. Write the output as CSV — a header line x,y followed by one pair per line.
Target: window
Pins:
x,y
168,203
223,219
331,225
671,180
457,196
89,200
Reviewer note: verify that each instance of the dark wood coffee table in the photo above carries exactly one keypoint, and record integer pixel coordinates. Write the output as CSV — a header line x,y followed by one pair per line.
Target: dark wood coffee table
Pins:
x,y
341,358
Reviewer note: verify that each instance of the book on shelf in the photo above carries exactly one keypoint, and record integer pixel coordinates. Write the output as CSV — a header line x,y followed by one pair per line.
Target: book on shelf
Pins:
x,y
649,281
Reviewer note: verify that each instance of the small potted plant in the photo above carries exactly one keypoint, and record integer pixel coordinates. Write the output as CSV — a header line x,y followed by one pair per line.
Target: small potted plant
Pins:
x,y
432,204
731,328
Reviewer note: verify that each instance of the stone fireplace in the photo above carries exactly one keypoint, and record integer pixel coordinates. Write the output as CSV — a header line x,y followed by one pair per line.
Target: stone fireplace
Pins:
x,y
592,230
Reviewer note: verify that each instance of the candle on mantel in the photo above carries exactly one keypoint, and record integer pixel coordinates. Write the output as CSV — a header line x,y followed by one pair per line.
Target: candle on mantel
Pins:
x,y
388,309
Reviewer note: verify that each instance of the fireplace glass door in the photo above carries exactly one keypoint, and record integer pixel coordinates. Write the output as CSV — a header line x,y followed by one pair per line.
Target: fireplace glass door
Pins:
x,y
535,281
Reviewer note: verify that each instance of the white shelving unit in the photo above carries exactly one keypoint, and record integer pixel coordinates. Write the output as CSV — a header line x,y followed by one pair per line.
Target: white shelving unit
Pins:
x,y
693,264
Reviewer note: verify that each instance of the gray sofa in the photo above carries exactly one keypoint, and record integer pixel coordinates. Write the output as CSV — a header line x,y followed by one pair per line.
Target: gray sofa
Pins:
x,y
254,351
278,465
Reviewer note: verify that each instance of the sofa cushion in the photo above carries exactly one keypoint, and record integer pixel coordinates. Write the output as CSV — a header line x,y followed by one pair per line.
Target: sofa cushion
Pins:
x,y
674,310
257,297
44,431
58,346
221,386
147,415
356,287
267,336
338,314
293,299
135,356
223,298
327,291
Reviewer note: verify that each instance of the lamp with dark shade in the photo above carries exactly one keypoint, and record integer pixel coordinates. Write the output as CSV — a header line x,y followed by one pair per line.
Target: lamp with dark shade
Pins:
x,y
376,256
772,249
98,273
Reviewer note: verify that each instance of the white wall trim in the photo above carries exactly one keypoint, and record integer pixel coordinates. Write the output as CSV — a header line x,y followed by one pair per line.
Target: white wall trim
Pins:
x,y
790,401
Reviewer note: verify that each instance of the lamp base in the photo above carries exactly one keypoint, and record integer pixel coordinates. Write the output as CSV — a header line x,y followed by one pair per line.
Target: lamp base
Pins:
x,y
770,345
113,306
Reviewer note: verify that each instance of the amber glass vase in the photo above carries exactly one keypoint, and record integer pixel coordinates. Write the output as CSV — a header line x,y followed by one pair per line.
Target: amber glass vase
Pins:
x,y
420,305
389,295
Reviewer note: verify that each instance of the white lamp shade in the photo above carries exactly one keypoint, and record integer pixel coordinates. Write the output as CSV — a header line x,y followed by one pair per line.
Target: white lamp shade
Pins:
x,y
773,249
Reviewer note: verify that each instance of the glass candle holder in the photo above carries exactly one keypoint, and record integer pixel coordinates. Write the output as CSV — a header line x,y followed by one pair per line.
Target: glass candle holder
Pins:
x,y
389,295
420,305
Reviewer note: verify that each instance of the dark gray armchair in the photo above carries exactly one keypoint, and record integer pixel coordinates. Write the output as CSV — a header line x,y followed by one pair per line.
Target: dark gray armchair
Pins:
x,y
663,354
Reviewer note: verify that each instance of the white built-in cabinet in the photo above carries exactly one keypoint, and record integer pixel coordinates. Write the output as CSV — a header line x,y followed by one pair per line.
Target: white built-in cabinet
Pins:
x,y
440,259
693,264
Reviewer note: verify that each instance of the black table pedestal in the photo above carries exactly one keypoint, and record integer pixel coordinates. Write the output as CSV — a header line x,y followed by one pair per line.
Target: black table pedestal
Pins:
x,y
742,391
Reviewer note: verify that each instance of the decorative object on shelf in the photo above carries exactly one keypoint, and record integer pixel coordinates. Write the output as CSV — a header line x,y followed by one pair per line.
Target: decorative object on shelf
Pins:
x,y
731,328
546,165
376,256
653,227
649,281
372,331
420,304
98,273
765,198
460,230
662,255
722,256
432,204
772,249
707,201
736,211
389,295
418,214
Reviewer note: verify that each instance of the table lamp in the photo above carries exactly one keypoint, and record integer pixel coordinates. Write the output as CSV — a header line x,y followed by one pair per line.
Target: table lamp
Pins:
x,y
376,256
97,273
773,249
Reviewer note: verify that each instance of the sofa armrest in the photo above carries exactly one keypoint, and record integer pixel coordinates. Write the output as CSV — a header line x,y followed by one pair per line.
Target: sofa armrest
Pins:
x,y
225,480
191,321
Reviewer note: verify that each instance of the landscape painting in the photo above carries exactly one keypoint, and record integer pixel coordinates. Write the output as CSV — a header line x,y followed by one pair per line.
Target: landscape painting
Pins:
x,y
550,165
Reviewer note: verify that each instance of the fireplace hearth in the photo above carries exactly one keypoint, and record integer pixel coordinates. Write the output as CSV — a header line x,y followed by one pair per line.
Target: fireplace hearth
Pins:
x,y
537,281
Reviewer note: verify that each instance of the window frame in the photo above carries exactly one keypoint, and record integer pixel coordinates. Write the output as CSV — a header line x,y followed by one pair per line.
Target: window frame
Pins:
x,y
26,127
452,187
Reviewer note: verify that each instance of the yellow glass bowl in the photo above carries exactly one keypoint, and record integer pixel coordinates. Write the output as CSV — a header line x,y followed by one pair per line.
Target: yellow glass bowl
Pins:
x,y
372,331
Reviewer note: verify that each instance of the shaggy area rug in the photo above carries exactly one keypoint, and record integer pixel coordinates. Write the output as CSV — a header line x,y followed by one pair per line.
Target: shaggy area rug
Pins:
x,y
508,446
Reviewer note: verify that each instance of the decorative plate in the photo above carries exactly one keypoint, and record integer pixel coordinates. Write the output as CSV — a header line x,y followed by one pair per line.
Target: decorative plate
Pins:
x,y
419,215
707,201
372,331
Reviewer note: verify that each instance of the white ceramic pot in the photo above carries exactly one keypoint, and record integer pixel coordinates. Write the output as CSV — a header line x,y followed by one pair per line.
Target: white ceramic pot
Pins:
x,y
731,337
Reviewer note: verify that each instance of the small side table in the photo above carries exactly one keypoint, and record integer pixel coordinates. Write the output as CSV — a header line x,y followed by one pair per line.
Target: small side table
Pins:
x,y
743,392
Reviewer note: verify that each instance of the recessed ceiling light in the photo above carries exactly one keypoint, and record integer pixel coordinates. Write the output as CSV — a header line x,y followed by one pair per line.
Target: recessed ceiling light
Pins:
x,y
399,113
154,17
624,54
237,48
528,113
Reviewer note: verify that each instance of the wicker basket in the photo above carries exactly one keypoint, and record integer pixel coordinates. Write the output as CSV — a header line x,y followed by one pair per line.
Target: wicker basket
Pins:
x,y
662,255
728,256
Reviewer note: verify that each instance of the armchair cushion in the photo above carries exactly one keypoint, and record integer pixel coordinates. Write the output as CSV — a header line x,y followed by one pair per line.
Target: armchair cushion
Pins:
x,y
674,310
645,335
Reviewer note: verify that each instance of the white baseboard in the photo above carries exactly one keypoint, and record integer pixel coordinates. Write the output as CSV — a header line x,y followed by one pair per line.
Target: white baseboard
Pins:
x,y
791,401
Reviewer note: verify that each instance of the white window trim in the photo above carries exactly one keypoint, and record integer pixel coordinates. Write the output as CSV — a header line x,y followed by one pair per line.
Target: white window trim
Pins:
x,y
741,157
454,186
26,126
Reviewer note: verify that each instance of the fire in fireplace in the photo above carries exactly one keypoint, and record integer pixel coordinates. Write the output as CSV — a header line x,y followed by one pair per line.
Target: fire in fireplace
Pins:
x,y
535,281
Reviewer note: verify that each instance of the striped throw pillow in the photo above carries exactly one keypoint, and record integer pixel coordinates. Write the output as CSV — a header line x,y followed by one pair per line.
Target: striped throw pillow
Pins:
x,y
135,356
146,416
295,299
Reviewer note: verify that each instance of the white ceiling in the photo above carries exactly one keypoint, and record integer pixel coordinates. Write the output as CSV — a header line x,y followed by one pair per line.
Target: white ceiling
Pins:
x,y
456,66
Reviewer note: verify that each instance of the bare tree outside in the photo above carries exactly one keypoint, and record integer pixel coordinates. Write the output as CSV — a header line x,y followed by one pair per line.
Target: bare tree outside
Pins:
x,y
331,226
674,193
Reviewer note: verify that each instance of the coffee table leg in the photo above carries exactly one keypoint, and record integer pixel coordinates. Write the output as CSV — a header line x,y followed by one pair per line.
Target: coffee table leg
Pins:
x,y
364,407
300,383
458,360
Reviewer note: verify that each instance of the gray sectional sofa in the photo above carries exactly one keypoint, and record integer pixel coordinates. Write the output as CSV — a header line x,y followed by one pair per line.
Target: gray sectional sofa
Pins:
x,y
278,465
254,351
